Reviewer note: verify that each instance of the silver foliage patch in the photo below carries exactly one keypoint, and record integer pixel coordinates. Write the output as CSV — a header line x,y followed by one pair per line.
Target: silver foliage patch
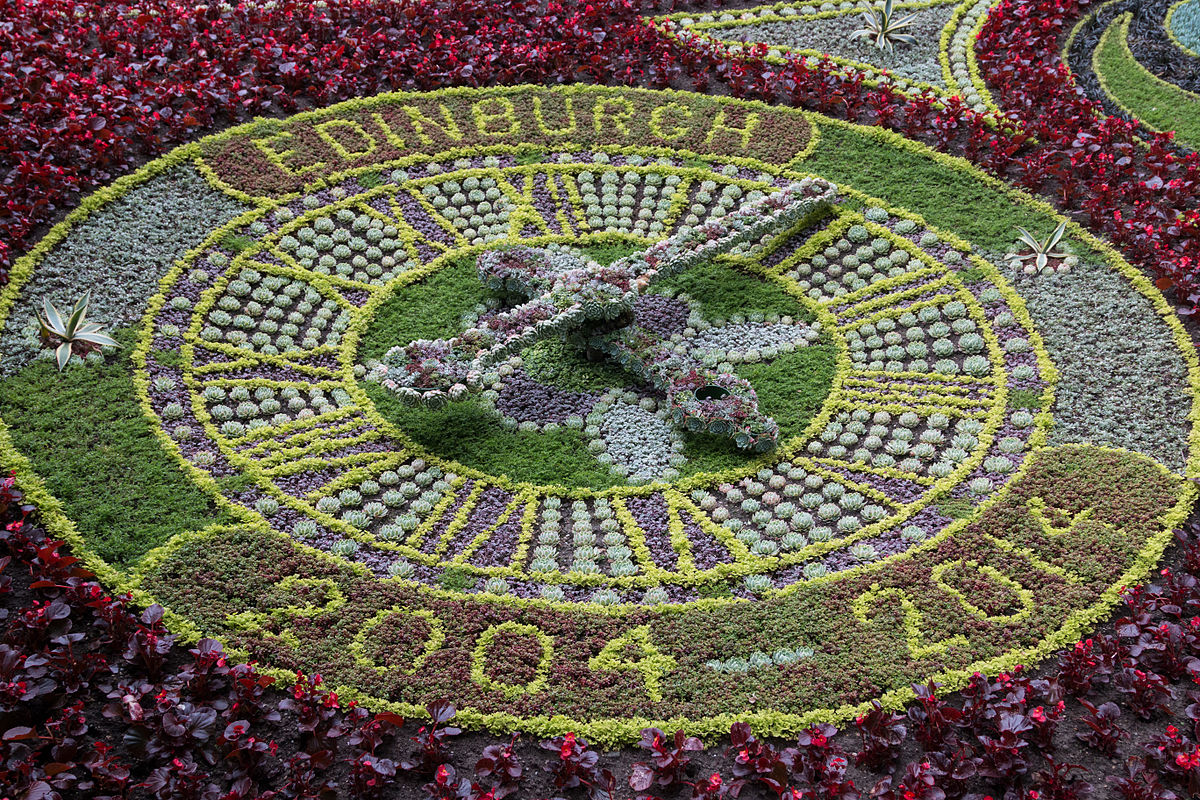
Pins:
x,y
754,336
641,441
1122,379
831,35
119,252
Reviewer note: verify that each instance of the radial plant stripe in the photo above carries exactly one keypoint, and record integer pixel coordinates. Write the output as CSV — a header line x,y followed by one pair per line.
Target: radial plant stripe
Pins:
x,y
955,484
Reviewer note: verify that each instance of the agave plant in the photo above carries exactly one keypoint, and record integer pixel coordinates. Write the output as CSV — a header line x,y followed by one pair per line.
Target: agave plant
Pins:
x,y
884,27
1043,250
74,335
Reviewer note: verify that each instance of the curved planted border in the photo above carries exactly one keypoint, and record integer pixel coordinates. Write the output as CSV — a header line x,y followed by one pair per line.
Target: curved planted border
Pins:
x,y
956,55
646,664
1158,105
1125,57
1182,26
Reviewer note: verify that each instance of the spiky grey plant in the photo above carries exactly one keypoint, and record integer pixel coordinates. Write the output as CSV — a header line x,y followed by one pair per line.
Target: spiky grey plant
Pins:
x,y
72,335
1043,250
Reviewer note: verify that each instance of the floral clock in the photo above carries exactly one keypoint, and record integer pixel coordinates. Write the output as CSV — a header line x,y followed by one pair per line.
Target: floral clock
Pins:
x,y
964,461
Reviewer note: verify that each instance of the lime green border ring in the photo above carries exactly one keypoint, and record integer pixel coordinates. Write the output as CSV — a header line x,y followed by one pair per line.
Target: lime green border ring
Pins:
x,y
648,576
612,732
1163,92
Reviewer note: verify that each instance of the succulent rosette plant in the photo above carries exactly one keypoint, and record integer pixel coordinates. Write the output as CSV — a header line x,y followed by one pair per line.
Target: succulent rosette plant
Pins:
x,y
723,405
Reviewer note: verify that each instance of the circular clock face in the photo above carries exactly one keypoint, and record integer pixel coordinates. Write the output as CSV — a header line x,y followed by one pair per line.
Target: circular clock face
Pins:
x,y
973,456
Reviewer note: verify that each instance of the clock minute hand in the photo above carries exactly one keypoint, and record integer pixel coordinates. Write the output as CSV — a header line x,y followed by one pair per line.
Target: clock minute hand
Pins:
x,y
433,371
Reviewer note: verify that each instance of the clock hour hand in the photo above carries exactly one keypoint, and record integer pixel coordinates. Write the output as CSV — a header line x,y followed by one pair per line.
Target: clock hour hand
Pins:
x,y
592,305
